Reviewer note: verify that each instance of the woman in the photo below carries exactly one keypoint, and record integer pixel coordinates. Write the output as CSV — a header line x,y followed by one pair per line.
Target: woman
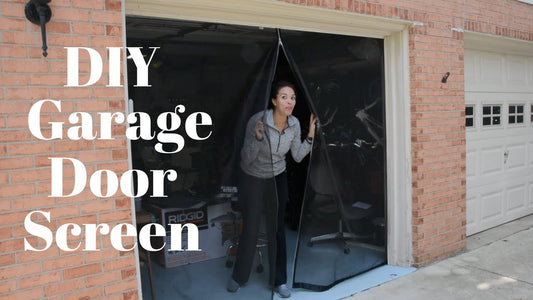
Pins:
x,y
263,186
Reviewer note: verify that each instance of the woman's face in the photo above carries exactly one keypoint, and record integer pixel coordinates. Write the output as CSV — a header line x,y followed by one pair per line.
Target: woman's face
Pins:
x,y
285,101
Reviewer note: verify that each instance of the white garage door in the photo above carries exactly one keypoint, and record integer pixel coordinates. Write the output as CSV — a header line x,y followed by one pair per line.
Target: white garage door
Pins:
x,y
499,138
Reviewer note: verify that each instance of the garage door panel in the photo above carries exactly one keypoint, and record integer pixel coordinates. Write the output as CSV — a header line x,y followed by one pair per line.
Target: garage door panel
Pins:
x,y
516,198
491,161
489,207
530,72
516,69
516,156
492,205
471,214
471,163
490,69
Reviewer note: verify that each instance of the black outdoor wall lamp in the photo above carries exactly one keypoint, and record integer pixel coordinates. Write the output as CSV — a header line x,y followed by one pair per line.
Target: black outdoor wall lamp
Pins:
x,y
38,12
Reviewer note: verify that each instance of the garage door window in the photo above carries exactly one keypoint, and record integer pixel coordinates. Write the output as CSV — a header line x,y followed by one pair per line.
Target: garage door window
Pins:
x,y
469,116
516,114
491,115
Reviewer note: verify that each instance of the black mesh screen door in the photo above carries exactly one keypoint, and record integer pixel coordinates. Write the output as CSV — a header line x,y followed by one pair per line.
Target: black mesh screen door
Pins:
x,y
342,222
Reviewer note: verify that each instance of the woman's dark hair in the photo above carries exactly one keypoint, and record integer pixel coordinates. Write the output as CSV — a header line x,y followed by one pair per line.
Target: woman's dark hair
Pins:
x,y
276,86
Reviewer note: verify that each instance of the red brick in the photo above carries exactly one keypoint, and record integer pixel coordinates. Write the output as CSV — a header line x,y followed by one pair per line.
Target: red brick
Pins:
x,y
21,38
14,108
105,41
93,105
94,4
12,24
65,40
36,293
36,148
72,145
30,176
115,105
5,205
13,79
113,5
89,29
56,27
106,17
120,154
87,294
68,14
98,206
12,10
118,264
26,93
109,92
25,66
121,286
16,244
129,273
20,270
41,279
48,79
8,286
4,178
5,233
103,278
63,262
33,202
60,3
70,93
82,271
123,203
105,254
57,212
113,30
17,190
15,136
63,287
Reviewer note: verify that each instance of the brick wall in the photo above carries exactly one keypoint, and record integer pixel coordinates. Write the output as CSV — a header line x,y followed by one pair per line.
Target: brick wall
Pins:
x,y
438,136
26,77
436,46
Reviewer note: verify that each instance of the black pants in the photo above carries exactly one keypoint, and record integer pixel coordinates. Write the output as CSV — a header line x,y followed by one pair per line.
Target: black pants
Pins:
x,y
258,196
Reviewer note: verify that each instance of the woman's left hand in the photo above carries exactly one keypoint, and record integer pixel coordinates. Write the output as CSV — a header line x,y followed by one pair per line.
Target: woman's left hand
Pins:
x,y
312,122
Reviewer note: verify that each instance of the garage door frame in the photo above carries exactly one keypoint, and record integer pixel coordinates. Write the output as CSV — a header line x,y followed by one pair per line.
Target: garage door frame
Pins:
x,y
305,18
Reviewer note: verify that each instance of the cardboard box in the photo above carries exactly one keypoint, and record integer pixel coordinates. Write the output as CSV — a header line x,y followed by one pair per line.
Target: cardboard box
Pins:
x,y
212,242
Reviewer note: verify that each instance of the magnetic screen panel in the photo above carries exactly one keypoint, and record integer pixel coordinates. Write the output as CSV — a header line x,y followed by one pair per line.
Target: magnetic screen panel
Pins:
x,y
341,232
225,72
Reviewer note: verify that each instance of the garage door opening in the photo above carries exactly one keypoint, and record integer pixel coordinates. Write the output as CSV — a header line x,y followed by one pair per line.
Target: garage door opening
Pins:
x,y
338,196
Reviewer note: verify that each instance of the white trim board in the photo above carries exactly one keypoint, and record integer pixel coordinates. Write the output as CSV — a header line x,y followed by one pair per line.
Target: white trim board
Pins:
x,y
497,44
266,13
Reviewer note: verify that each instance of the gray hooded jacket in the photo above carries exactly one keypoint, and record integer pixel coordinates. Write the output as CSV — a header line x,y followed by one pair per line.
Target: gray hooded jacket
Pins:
x,y
266,158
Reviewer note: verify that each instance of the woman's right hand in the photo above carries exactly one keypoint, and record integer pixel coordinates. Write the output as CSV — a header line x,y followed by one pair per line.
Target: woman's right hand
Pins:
x,y
259,129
